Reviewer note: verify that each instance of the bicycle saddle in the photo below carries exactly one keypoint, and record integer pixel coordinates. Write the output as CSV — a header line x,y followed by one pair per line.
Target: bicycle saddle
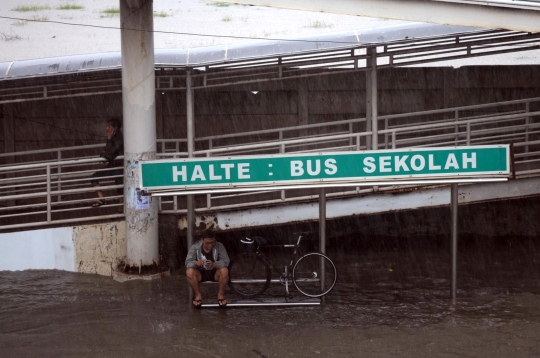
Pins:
x,y
256,239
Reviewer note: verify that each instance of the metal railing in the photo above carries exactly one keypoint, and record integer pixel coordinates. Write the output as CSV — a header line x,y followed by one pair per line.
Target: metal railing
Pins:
x,y
57,189
55,192
510,122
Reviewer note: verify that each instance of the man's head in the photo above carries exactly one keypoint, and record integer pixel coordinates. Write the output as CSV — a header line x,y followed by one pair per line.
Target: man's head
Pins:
x,y
113,125
208,238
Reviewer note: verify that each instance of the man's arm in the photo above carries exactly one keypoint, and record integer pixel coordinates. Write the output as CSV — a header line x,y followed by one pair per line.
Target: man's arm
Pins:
x,y
191,257
223,257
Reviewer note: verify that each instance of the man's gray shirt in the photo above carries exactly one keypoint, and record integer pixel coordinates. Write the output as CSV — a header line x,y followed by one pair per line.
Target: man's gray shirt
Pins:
x,y
219,253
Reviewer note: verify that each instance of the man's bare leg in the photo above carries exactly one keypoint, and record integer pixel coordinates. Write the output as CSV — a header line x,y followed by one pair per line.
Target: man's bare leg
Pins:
x,y
193,279
222,277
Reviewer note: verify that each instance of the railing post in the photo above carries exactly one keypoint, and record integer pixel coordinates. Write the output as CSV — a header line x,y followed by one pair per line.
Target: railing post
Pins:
x,y
49,216
282,150
350,132
374,107
386,134
527,122
393,139
468,133
209,196
456,127
59,172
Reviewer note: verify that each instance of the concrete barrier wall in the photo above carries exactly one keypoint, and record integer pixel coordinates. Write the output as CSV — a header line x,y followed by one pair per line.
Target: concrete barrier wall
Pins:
x,y
77,121
93,248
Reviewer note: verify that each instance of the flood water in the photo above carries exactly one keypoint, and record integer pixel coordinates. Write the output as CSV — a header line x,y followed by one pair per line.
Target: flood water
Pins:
x,y
391,300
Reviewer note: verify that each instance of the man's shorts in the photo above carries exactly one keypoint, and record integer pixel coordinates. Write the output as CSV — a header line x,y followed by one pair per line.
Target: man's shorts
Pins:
x,y
207,275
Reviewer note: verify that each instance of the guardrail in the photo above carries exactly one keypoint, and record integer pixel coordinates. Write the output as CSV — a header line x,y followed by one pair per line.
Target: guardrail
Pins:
x,y
55,189
55,193
469,125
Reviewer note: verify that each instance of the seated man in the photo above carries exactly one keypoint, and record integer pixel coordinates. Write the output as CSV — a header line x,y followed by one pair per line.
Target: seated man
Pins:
x,y
207,260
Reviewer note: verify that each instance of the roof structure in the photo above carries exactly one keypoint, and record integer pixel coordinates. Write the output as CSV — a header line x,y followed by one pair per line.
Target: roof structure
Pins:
x,y
262,60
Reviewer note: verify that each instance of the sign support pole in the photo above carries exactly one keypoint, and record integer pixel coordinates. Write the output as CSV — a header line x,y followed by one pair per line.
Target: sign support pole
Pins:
x,y
322,220
322,232
190,149
454,233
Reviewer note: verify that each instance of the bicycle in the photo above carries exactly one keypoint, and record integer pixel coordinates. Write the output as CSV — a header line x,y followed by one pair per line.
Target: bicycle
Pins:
x,y
313,274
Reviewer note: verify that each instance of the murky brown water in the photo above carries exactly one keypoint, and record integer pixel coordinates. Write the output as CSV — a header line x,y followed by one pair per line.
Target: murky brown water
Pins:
x,y
390,301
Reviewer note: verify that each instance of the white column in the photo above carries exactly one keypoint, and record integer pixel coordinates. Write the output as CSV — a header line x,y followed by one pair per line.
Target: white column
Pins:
x,y
139,115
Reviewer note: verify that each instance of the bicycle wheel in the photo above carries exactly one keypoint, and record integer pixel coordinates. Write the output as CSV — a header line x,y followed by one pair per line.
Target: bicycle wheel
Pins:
x,y
249,275
314,274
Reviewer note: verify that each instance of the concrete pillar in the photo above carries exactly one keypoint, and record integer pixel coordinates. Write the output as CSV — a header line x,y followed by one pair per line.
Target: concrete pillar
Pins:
x,y
139,114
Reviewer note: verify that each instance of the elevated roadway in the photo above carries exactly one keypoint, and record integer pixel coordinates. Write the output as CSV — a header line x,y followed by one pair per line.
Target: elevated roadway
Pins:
x,y
494,14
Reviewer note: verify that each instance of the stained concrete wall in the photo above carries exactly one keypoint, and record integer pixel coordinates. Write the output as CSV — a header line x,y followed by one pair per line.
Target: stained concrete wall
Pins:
x,y
76,121
93,248
99,247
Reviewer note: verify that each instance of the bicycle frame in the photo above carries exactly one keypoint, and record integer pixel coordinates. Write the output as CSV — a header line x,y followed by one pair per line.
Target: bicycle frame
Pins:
x,y
284,276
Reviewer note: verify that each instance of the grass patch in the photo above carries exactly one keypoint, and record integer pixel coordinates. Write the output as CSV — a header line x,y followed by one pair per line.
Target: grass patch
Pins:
x,y
160,14
226,18
40,18
111,11
219,4
319,25
24,8
70,7
19,23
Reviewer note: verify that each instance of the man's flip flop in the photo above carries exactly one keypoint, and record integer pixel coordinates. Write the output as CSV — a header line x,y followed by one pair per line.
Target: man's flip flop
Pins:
x,y
221,302
197,303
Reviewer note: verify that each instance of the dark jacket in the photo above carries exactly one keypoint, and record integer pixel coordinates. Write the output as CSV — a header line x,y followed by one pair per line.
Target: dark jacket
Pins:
x,y
114,148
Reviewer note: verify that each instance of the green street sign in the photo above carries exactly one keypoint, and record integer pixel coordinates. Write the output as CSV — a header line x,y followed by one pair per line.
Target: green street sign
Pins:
x,y
325,168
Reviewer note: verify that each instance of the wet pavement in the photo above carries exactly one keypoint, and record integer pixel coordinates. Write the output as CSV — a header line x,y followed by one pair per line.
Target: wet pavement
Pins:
x,y
391,300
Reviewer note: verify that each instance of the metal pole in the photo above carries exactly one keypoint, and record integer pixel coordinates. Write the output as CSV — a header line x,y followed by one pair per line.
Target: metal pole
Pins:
x,y
454,231
369,89
322,233
49,194
374,111
139,114
190,149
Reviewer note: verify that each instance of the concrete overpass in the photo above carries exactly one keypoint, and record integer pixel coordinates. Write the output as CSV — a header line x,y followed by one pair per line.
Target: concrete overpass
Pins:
x,y
494,14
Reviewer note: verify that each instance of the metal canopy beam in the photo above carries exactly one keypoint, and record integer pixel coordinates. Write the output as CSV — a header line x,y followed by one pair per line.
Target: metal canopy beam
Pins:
x,y
497,14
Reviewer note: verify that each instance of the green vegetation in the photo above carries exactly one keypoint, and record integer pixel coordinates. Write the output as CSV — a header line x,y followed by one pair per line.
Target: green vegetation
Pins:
x,y
23,8
40,18
319,25
19,23
111,11
219,3
70,7
226,18
160,14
